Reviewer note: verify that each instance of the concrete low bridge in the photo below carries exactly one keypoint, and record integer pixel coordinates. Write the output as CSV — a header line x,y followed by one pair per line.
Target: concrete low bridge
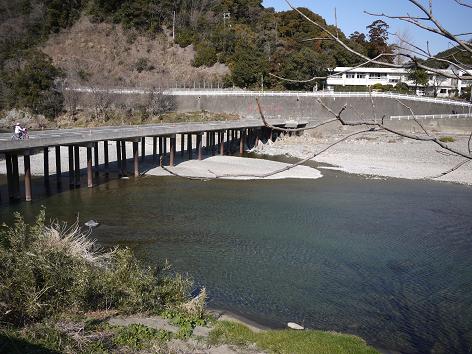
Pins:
x,y
208,137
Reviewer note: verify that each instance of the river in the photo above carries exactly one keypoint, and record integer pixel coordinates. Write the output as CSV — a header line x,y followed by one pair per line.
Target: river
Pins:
x,y
389,260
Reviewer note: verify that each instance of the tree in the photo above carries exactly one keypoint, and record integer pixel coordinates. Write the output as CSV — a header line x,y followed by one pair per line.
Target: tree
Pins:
x,y
378,37
419,76
247,67
33,85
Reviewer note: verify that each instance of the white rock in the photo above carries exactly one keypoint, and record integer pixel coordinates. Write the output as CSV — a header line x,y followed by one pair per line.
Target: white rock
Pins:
x,y
294,325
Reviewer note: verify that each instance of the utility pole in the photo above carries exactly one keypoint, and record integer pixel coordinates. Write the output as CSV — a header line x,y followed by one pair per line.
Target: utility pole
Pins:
x,y
262,82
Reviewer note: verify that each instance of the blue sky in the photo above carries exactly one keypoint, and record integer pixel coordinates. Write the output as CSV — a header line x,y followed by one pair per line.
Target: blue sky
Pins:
x,y
351,16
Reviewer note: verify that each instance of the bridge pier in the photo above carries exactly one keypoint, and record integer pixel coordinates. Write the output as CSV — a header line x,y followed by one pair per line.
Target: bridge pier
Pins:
x,y
221,136
242,141
124,167
189,146
27,164
16,177
96,159
58,164
154,148
89,167
70,149
135,159
143,149
118,157
207,142
161,146
173,142
105,153
8,162
199,145
46,164
77,165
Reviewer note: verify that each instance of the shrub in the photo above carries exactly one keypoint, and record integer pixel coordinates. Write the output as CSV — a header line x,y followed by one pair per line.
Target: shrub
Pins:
x,y
401,87
447,139
142,65
206,55
50,269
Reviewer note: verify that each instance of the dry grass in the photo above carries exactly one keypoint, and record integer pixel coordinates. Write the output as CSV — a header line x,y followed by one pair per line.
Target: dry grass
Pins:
x,y
105,54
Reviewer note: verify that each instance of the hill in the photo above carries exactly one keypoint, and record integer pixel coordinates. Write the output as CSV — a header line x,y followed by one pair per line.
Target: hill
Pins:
x,y
130,42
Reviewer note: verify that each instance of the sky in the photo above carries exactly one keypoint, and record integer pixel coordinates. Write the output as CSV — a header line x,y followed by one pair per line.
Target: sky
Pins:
x,y
351,16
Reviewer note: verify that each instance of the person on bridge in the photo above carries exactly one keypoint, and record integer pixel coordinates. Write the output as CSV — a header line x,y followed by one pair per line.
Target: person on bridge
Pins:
x,y
19,131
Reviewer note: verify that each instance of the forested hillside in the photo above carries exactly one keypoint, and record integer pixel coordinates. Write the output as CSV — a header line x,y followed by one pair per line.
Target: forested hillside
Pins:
x,y
134,40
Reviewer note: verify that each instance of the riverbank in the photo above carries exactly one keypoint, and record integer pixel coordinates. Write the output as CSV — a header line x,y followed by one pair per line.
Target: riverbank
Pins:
x,y
377,154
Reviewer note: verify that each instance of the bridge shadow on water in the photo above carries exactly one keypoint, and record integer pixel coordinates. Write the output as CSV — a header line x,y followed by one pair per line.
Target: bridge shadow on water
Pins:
x,y
42,188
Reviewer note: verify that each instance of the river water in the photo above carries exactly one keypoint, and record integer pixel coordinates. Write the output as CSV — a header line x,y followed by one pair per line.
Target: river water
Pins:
x,y
389,260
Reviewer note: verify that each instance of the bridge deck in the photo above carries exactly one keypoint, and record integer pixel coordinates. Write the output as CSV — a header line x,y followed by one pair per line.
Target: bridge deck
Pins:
x,y
40,139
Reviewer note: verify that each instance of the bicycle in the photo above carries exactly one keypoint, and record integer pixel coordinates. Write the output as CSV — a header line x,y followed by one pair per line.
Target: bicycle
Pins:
x,y
22,136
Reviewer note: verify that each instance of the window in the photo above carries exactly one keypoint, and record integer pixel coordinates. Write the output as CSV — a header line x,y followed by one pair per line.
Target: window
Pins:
x,y
350,76
337,76
443,91
377,76
394,81
361,76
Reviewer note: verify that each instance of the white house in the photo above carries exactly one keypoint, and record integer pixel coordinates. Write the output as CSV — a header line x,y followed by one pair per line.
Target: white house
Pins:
x,y
364,76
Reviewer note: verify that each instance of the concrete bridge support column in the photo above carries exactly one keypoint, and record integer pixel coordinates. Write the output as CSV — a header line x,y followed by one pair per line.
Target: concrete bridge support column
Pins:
x,y
105,153
189,146
154,148
58,164
27,163
46,164
222,142
16,177
182,145
213,144
135,159
143,149
161,146
199,145
89,167
118,157
124,167
96,159
71,165
77,165
258,137
173,143
8,161
242,141
207,142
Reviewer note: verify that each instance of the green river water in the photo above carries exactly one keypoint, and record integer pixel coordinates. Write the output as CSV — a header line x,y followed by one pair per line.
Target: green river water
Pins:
x,y
389,260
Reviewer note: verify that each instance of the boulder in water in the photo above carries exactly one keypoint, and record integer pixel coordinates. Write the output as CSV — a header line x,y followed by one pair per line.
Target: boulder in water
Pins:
x,y
91,223
293,325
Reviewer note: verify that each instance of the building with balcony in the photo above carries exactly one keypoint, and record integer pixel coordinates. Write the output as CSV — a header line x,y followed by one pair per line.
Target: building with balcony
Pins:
x,y
438,85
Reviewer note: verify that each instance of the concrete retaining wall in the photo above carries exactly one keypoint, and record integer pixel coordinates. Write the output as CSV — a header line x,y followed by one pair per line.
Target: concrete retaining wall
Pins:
x,y
309,108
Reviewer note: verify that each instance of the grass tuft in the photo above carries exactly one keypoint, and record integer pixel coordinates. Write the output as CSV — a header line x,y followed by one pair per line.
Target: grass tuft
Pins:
x,y
447,139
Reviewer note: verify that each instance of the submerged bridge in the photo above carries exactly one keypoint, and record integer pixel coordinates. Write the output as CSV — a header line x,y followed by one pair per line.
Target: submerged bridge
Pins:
x,y
195,138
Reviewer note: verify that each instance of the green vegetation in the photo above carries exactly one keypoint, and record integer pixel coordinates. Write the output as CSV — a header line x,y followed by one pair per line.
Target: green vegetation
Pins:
x,y
252,42
139,337
289,341
39,262
447,139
